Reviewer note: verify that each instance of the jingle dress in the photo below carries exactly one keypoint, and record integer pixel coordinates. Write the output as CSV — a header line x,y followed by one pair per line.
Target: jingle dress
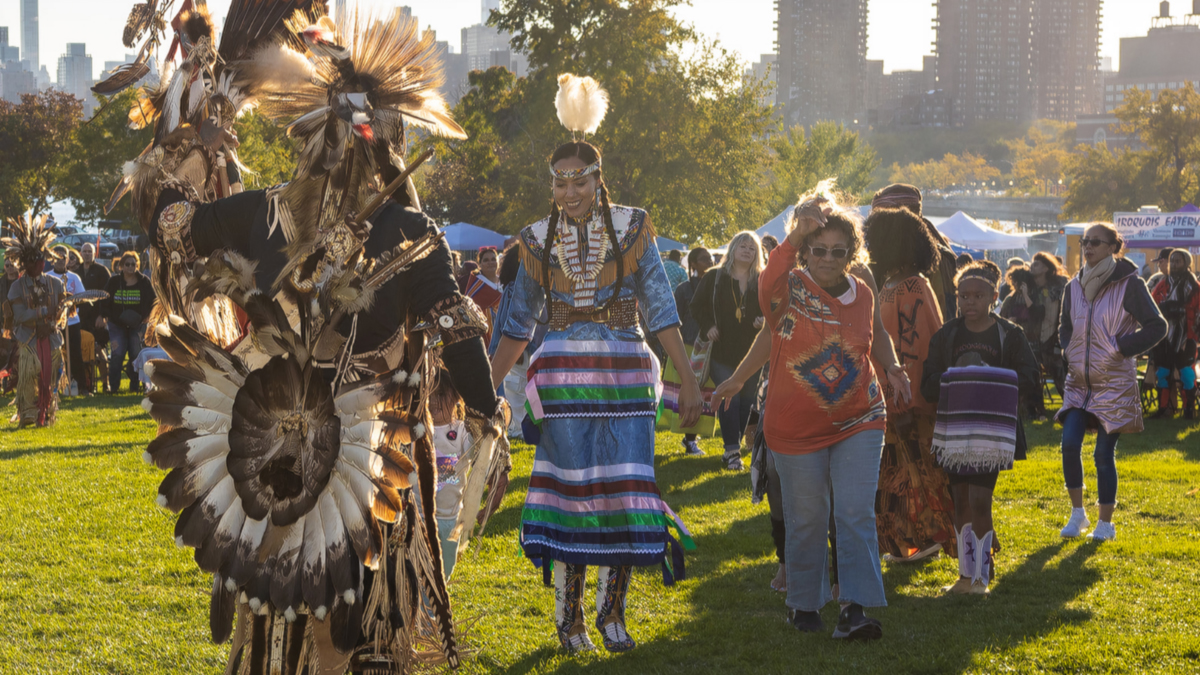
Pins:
x,y
593,389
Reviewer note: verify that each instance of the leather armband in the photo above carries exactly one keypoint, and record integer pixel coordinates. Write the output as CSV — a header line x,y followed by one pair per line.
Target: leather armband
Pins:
x,y
175,232
458,318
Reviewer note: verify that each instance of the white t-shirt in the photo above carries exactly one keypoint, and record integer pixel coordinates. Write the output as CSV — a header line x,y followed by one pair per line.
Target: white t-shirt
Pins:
x,y
72,284
450,441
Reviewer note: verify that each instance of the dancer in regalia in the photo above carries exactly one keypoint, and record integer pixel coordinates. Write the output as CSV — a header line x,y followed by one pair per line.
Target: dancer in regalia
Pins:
x,y
36,299
291,451
594,385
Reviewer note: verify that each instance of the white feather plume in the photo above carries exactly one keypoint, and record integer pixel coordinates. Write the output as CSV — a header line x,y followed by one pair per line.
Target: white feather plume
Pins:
x,y
581,103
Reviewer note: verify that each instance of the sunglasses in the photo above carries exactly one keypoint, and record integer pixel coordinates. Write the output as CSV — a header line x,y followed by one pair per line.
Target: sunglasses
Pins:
x,y
822,252
1087,243
129,264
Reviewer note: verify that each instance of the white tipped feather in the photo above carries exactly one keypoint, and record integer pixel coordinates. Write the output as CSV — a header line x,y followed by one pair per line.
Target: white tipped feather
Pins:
x,y
161,500
400,376
289,614
254,603
414,379
581,103
320,613
349,597
419,431
147,458
276,68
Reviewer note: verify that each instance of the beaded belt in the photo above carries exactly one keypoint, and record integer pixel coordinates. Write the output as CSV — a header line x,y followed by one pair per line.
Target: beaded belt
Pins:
x,y
620,314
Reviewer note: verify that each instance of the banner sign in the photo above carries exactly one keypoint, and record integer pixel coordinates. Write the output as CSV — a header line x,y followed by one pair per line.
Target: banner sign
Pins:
x,y
1159,230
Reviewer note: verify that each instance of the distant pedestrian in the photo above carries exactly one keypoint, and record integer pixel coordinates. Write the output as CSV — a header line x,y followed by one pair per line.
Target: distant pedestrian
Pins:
x,y
676,275
1178,297
125,313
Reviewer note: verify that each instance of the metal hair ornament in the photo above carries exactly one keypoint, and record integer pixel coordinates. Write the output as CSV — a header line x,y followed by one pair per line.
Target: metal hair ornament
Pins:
x,y
568,174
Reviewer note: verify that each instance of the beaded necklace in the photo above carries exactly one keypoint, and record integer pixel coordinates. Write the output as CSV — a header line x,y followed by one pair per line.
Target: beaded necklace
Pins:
x,y
583,269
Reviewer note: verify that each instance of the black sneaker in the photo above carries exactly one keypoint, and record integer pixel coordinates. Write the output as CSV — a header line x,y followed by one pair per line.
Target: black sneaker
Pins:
x,y
806,622
853,624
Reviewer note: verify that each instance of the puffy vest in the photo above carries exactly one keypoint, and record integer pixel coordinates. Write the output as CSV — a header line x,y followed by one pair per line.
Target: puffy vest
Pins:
x,y
1100,379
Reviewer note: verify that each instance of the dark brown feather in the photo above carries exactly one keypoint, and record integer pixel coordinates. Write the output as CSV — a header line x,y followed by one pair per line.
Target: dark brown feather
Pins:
x,y
220,611
122,77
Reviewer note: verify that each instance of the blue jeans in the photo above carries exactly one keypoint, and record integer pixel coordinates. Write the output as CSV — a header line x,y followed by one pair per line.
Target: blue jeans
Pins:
x,y
122,342
1074,426
735,416
848,473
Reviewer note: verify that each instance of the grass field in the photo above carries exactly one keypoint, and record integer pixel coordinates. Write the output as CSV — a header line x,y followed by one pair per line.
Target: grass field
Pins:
x,y
91,582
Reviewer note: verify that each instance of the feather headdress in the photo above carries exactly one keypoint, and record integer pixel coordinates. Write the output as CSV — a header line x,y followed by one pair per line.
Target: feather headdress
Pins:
x,y
30,240
581,103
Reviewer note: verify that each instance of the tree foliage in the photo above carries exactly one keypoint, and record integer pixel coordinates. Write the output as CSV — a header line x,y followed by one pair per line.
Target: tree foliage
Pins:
x,y
265,150
1103,182
1040,158
1170,127
37,138
949,171
97,158
828,149
685,138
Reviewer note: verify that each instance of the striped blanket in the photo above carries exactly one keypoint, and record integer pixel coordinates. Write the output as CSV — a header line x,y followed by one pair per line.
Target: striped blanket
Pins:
x,y
976,427
593,378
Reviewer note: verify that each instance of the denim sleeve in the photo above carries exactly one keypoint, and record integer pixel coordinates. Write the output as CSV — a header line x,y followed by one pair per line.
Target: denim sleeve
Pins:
x,y
654,291
528,299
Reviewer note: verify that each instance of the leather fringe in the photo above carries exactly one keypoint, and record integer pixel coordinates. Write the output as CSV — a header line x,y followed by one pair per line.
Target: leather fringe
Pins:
x,y
608,274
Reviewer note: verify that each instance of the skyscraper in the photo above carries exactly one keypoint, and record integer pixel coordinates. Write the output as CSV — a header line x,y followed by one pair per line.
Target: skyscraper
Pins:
x,y
486,9
822,49
984,56
75,74
1066,59
29,33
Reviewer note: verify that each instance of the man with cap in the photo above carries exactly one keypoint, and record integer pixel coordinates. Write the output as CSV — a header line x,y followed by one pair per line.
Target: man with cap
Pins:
x,y
1163,261
901,196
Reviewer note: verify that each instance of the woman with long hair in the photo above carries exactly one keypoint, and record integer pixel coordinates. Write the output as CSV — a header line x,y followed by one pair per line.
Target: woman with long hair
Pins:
x,y
825,413
1108,320
594,386
1178,296
699,260
726,308
914,511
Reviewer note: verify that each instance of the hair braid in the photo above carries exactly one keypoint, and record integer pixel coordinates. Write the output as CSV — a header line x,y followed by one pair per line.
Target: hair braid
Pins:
x,y
616,244
547,246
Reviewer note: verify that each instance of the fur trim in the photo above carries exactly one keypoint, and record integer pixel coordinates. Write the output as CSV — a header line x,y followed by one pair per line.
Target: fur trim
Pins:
x,y
581,103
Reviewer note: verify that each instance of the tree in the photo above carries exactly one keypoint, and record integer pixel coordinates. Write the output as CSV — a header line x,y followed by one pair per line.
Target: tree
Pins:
x,y
1040,158
94,167
37,137
1170,126
829,149
686,138
1103,183
949,171
265,150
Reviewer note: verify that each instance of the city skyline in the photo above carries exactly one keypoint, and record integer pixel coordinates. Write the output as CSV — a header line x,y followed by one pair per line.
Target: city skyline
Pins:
x,y
901,47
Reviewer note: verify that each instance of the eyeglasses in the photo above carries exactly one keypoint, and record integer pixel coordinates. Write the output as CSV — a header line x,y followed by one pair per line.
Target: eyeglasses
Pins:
x,y
822,252
128,264
1087,243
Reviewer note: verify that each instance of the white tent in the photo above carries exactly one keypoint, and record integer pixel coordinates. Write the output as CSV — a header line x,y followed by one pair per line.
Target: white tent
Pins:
x,y
968,232
777,227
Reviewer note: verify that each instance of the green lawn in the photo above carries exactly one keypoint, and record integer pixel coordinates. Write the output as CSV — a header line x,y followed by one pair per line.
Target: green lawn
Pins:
x,y
91,582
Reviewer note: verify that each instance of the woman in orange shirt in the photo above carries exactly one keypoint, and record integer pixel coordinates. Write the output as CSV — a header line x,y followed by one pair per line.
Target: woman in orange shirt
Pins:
x,y
825,413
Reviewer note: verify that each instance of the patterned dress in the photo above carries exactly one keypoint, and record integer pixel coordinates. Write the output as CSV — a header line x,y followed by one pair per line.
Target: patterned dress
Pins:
x,y
593,389
914,506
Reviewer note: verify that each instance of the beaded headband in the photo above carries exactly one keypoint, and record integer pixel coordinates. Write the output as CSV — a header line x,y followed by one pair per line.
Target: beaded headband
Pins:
x,y
568,174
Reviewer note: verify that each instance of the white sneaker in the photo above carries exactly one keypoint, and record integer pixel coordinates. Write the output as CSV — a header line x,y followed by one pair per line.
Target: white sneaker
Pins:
x,y
1104,532
1077,525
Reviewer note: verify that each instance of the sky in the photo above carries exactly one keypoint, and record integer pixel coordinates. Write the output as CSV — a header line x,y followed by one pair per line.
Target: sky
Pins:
x,y
900,31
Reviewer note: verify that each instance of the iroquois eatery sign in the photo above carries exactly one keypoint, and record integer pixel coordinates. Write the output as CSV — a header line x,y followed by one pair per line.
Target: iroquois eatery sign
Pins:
x,y
1159,230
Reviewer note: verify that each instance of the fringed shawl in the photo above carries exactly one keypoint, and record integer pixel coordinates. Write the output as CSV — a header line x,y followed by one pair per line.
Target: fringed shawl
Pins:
x,y
976,428
634,233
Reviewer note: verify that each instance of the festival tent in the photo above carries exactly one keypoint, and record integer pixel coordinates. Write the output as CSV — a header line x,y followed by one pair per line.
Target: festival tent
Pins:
x,y
665,244
970,233
777,226
466,237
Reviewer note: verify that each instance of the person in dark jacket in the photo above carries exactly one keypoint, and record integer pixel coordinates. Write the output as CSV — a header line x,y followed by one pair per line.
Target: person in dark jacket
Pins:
x,y
699,261
130,299
727,310
978,337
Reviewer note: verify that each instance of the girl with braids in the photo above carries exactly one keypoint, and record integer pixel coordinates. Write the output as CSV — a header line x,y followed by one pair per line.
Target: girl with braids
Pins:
x,y
594,387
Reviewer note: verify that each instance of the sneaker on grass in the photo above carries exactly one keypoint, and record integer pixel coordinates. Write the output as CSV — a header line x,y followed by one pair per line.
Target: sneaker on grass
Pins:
x,y
692,448
1077,525
1104,532
806,622
853,624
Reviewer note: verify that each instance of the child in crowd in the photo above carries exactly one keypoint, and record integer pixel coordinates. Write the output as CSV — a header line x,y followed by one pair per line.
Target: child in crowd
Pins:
x,y
978,366
450,441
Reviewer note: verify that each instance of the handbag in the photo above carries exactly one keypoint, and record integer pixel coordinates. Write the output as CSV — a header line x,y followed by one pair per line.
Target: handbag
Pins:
x,y
702,348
